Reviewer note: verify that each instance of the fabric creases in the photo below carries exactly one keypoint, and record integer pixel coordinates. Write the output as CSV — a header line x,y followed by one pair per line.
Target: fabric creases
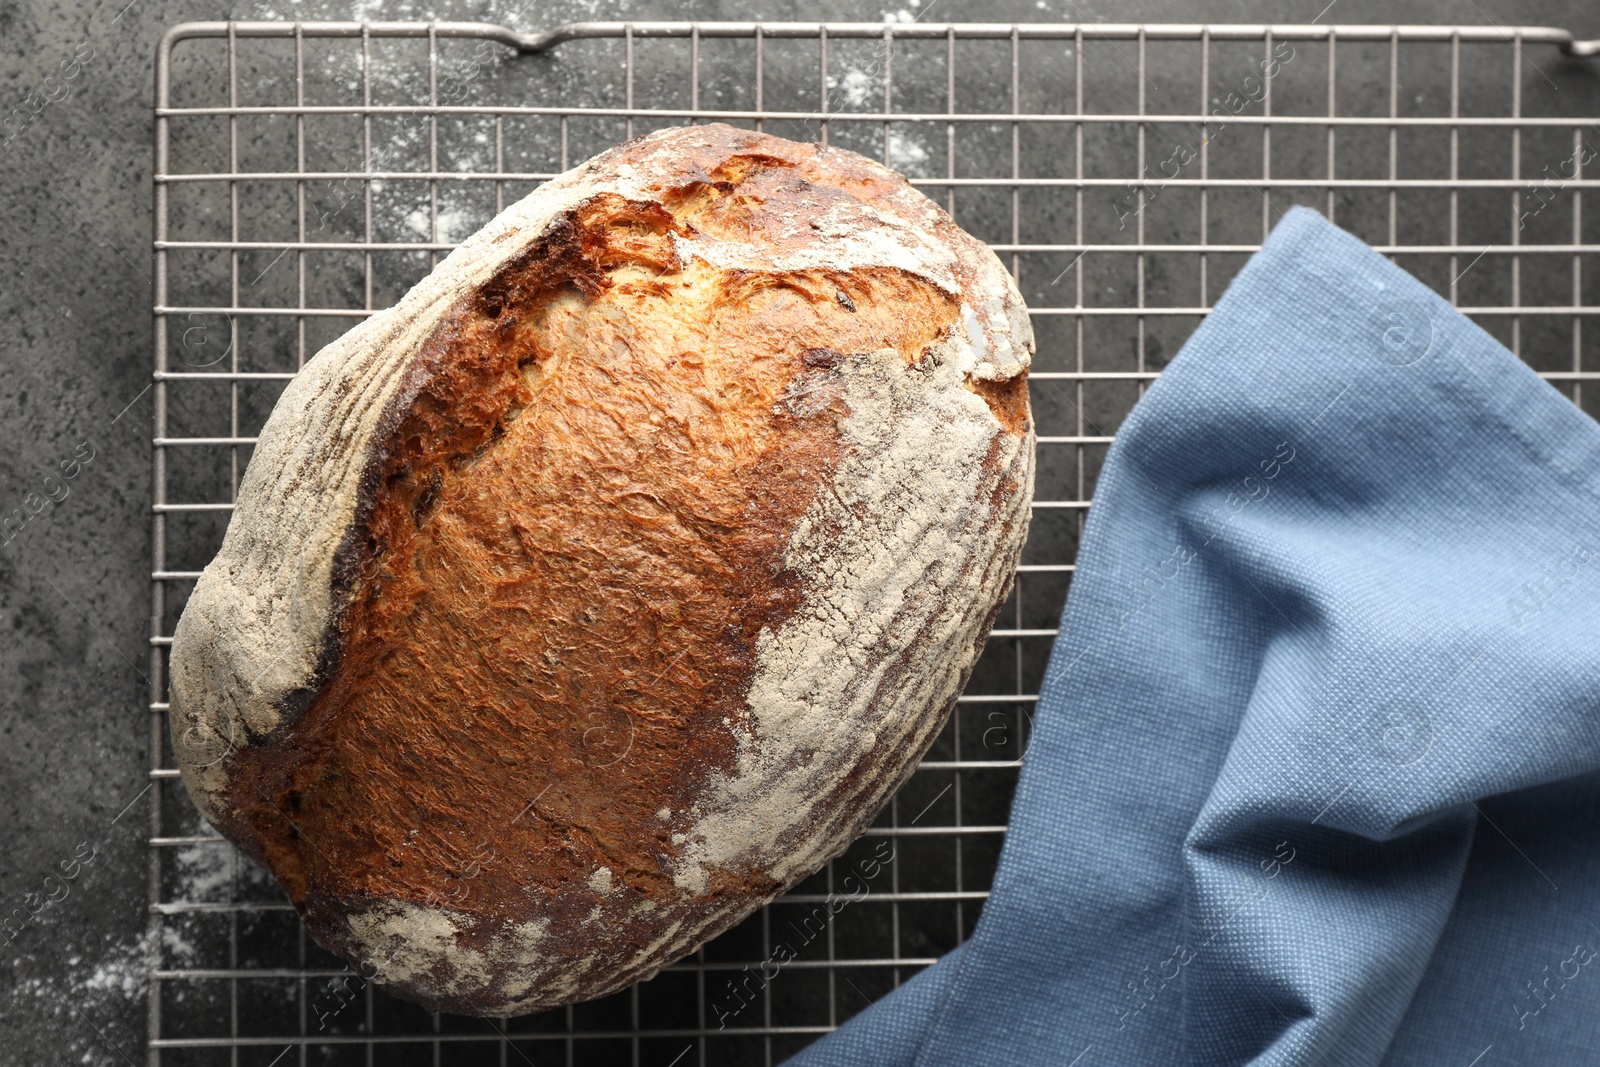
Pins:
x,y
1315,776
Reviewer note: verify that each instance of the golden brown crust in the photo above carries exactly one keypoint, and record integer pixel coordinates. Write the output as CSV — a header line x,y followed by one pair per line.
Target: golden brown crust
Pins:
x,y
575,531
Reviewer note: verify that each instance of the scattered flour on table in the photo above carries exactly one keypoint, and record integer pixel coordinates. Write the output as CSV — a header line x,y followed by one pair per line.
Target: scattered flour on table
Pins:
x,y
98,990
908,155
204,871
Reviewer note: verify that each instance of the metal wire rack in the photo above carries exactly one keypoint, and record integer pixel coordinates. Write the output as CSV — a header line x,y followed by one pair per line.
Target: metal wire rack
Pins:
x,y
308,173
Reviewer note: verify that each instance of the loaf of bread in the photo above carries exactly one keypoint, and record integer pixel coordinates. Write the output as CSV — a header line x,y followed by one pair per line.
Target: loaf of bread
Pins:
x,y
612,581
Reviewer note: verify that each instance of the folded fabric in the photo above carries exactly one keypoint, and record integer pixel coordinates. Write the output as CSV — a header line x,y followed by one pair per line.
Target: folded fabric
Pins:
x,y
1314,772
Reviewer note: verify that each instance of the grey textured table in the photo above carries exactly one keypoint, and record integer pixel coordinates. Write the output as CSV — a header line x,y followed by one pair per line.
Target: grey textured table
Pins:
x,y
74,406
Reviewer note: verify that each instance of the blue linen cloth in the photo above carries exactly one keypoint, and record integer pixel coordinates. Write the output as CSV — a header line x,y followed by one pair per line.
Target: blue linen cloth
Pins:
x,y
1314,777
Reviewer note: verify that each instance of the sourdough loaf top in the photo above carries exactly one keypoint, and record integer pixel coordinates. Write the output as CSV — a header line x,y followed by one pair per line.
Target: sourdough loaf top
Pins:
x,y
611,581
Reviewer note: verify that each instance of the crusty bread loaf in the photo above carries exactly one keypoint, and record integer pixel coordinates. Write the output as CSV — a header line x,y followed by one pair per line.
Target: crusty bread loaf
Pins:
x,y
612,581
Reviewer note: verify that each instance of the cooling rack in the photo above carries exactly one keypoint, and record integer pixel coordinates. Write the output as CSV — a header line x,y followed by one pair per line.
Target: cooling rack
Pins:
x,y
308,173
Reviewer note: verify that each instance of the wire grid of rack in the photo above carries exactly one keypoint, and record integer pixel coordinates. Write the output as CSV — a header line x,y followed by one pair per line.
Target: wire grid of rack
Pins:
x,y
306,174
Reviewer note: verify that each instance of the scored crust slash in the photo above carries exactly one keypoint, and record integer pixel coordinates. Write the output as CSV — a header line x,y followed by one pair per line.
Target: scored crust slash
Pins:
x,y
613,580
